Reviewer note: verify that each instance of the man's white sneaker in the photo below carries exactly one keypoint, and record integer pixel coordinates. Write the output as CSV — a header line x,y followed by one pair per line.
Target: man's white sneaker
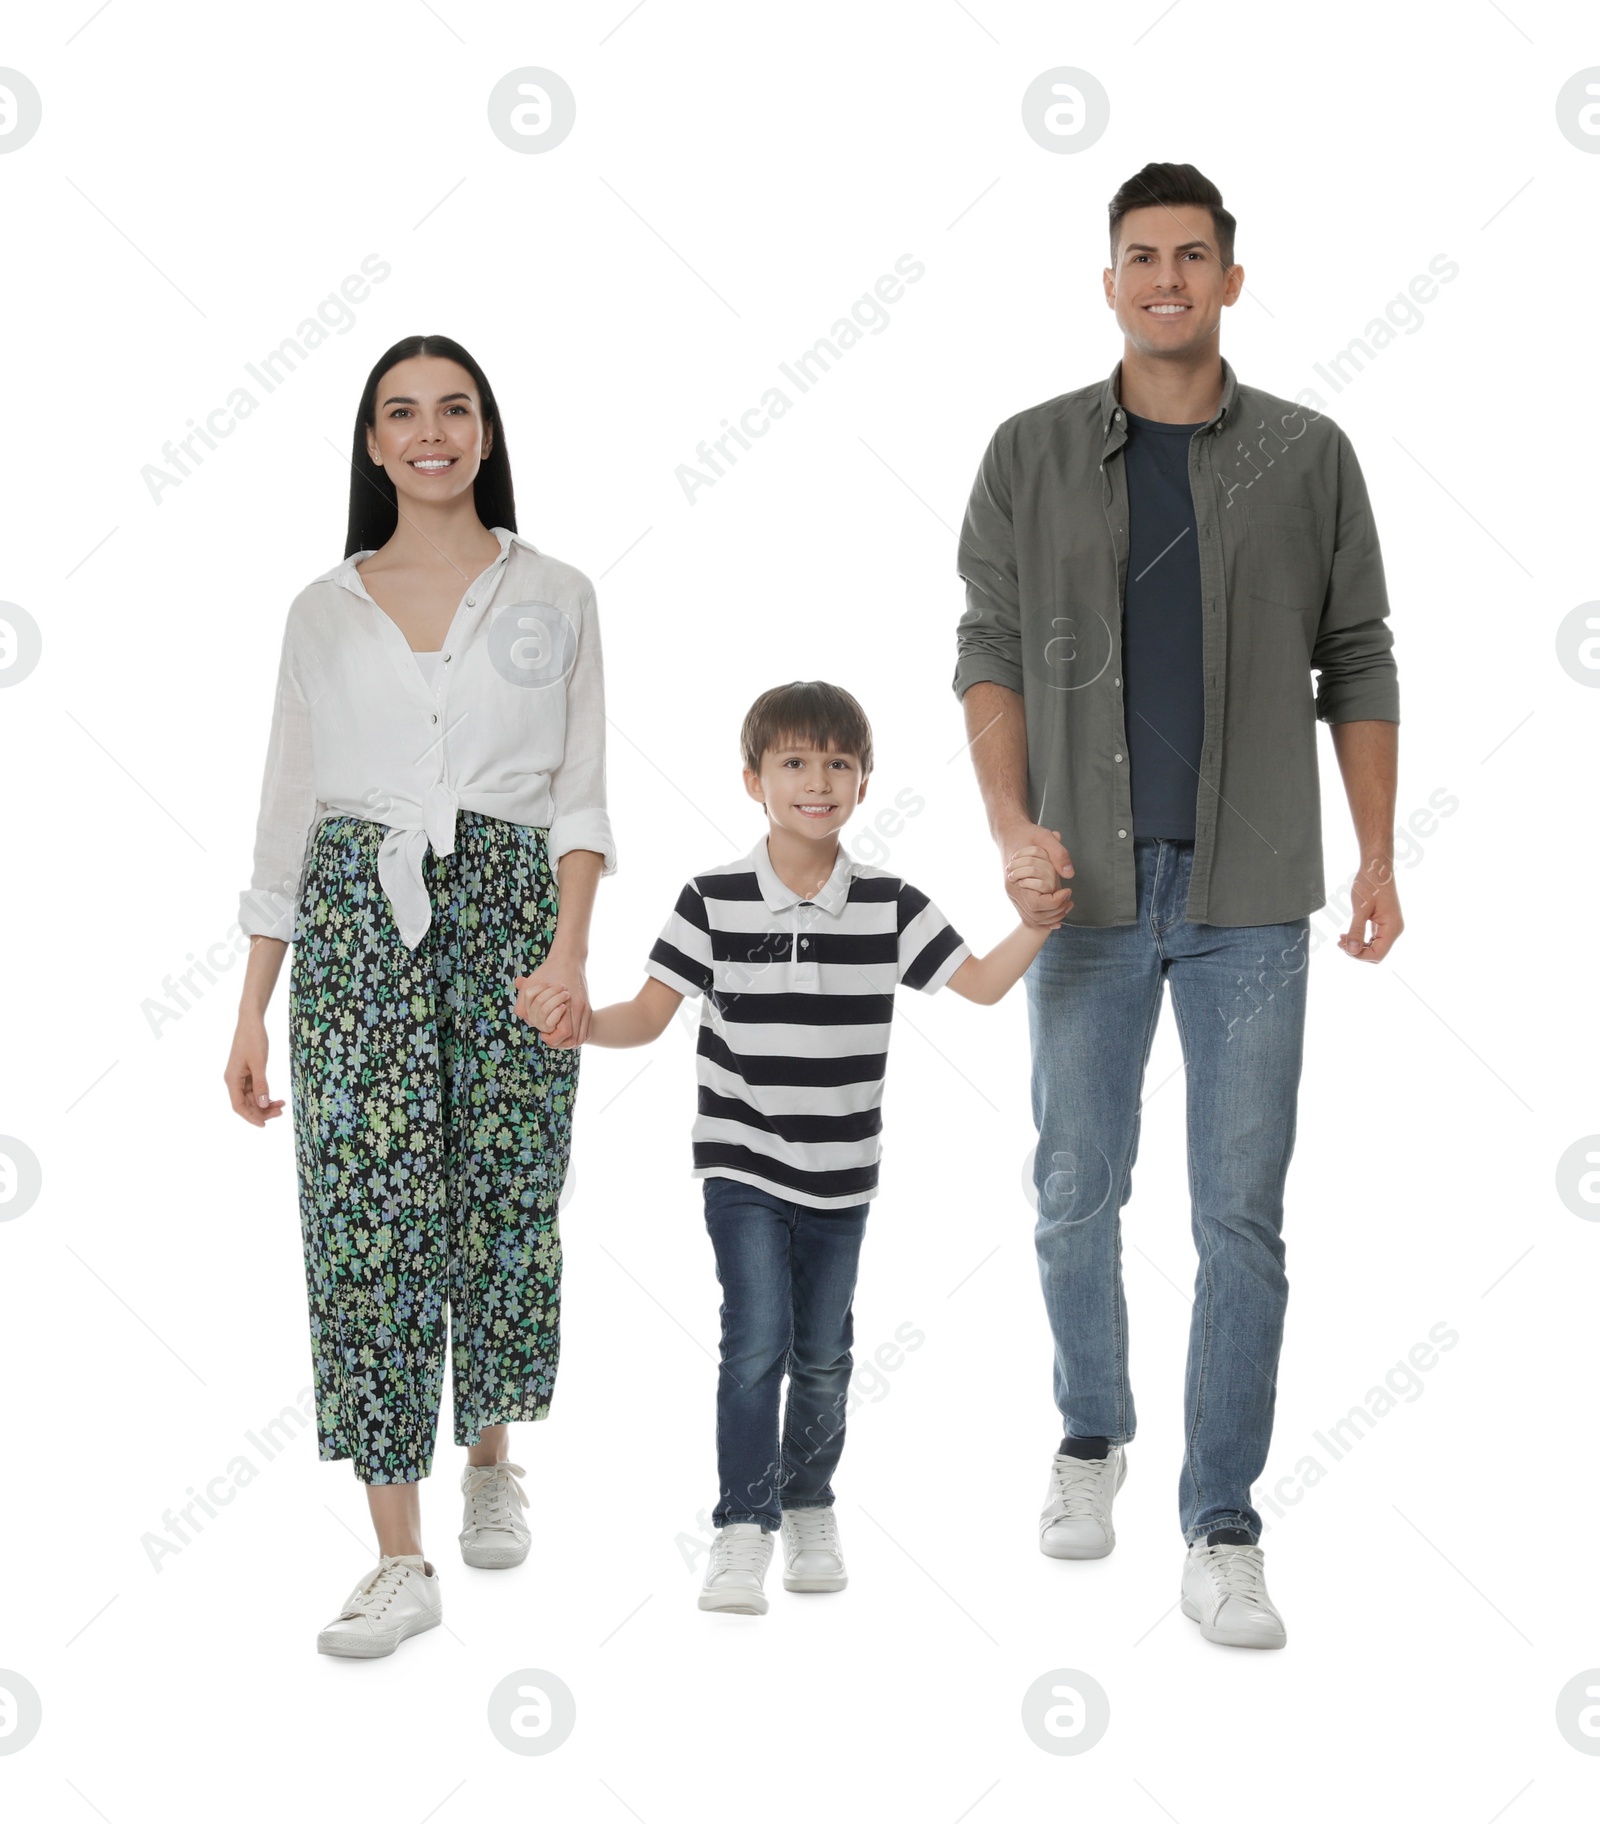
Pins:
x,y
1076,1522
1225,1590
813,1557
494,1535
739,1558
398,1599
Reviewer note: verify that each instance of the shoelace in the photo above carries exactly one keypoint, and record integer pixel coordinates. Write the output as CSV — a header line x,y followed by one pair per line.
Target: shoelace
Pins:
x,y
740,1553
378,1591
1238,1571
812,1529
489,1495
1079,1481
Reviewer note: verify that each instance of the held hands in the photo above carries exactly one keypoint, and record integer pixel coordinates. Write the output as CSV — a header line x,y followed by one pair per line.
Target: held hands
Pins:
x,y
554,1000
1036,863
547,1010
1030,870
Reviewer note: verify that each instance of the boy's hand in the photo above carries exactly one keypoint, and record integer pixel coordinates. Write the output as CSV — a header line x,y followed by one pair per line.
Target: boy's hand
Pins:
x,y
560,970
545,1008
1049,908
1031,867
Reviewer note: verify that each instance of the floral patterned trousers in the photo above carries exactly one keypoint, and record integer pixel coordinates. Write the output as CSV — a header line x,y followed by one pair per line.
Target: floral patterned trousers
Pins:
x,y
432,1131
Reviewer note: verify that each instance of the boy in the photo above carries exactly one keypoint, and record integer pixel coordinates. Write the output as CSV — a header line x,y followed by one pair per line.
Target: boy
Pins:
x,y
796,951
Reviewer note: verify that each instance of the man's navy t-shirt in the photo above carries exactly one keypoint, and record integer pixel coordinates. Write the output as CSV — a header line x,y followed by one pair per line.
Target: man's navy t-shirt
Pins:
x,y
1163,694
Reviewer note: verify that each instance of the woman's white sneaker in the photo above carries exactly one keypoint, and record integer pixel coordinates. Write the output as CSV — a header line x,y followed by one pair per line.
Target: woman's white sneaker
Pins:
x,y
1076,1522
1225,1589
494,1535
739,1558
398,1599
813,1556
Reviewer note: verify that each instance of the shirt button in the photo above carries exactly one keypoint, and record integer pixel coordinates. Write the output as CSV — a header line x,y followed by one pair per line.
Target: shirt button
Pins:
x,y
1122,833
1117,682
447,658
1117,757
472,601
805,943
433,718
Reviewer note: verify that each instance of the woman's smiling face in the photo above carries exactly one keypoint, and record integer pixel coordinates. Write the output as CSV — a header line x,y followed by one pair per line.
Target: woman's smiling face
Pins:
x,y
428,431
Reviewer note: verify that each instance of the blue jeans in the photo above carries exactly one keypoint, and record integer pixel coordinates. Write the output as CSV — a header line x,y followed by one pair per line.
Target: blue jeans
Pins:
x,y
788,1275
1238,994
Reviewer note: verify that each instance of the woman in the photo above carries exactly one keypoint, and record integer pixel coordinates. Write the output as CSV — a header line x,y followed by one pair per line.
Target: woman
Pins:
x,y
432,827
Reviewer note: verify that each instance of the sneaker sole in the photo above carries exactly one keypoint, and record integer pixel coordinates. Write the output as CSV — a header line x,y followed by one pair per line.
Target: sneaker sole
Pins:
x,y
356,1646
1222,1637
741,1604
815,1583
495,1557
1075,1551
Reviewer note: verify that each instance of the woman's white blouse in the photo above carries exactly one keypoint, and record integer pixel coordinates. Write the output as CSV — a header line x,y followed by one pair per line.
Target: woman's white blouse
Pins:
x,y
511,724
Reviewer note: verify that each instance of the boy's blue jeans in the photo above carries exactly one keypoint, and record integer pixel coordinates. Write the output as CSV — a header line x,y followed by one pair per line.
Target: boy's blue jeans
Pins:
x,y
788,1275
1239,996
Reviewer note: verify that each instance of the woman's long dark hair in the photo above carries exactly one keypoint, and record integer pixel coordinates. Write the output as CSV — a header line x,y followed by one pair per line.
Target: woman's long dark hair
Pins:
x,y
374,510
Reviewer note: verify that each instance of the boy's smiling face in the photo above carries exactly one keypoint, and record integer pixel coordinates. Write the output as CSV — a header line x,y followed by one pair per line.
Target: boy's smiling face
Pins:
x,y
808,791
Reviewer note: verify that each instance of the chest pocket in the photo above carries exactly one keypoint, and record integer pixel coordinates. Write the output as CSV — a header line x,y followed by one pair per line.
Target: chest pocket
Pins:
x,y
1283,557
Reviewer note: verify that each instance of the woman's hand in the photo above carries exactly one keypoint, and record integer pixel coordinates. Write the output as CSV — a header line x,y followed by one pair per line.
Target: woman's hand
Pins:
x,y
547,1010
246,1073
559,970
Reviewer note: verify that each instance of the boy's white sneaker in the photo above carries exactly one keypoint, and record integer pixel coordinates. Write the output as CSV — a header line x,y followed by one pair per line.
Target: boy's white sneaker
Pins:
x,y
1225,1589
494,1535
813,1556
1076,1522
398,1599
739,1558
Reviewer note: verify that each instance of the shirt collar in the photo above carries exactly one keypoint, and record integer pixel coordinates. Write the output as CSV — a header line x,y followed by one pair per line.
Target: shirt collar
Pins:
x,y
831,897
1113,420
345,572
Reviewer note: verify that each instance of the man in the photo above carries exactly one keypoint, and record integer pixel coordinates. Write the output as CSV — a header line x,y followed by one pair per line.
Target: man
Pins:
x,y
1155,564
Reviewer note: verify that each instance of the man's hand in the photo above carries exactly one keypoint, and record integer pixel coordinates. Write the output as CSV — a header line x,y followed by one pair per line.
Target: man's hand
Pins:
x,y
1368,754
1374,897
1031,867
1035,907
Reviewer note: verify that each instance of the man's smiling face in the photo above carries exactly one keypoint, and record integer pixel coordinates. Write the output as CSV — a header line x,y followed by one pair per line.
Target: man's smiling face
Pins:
x,y
1169,286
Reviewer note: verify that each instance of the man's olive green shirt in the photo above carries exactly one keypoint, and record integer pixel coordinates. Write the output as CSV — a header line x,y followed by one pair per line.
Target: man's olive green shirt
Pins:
x,y
1291,582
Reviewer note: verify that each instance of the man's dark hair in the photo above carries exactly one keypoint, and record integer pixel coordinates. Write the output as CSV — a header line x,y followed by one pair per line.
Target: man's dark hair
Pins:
x,y
806,714
1176,185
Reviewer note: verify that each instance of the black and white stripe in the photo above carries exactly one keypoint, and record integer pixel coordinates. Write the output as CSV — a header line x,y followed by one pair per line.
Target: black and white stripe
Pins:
x,y
794,1022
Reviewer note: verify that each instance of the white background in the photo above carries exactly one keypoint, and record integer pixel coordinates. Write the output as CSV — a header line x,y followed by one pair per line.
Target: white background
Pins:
x,y
737,178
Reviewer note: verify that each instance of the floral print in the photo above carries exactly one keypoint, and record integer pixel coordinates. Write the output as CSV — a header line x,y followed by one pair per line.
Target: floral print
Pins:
x,y
432,1132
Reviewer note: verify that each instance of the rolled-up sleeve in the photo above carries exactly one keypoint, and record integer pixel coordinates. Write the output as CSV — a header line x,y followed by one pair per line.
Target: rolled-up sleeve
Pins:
x,y
287,812
988,635
578,784
1353,656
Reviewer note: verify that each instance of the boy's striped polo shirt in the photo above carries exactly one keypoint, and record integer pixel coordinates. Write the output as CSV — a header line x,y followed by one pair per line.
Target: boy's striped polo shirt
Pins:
x,y
797,996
